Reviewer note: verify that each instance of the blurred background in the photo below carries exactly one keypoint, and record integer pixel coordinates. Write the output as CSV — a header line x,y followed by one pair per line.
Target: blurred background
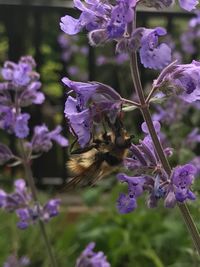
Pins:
x,y
145,238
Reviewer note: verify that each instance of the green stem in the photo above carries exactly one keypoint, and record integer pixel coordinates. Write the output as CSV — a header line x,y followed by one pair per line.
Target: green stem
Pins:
x,y
147,117
30,180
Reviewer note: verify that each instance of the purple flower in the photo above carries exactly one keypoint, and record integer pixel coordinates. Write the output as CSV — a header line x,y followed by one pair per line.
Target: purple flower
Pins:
x,y
126,203
93,16
7,118
25,218
183,79
19,198
21,125
103,20
42,139
84,91
20,74
29,212
80,122
51,208
182,179
188,5
121,14
152,54
89,258
14,261
31,95
93,102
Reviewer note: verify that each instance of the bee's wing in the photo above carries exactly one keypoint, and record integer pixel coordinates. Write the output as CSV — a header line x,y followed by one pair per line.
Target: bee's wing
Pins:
x,y
88,177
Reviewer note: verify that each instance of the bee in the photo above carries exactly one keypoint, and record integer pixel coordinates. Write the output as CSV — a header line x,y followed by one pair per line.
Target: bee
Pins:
x,y
88,165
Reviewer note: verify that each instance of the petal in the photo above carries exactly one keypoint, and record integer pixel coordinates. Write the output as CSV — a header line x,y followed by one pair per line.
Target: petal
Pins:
x,y
156,58
70,25
126,204
188,5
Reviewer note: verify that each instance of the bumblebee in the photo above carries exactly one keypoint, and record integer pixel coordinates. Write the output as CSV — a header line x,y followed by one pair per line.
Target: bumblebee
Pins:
x,y
88,165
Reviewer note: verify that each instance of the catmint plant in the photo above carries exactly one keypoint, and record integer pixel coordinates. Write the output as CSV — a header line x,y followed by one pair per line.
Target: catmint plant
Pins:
x,y
20,88
149,170
89,258
14,261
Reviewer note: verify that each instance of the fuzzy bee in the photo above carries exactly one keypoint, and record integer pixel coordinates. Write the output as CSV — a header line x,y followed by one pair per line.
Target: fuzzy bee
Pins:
x,y
88,165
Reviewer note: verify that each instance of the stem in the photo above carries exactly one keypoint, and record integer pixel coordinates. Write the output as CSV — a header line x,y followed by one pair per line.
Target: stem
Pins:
x,y
147,117
29,177
127,101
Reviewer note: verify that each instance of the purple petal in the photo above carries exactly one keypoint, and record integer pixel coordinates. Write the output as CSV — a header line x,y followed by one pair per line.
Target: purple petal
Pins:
x,y
188,5
21,125
70,25
126,204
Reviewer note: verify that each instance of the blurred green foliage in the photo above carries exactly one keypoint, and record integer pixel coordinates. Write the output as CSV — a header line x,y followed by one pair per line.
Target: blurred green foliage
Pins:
x,y
144,238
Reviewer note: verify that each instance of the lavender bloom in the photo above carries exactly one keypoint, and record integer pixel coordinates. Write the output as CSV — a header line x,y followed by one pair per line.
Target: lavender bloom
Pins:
x,y
183,79
127,203
93,101
7,118
152,54
142,157
103,20
5,154
21,125
42,139
14,261
93,16
80,122
89,258
190,38
20,202
120,16
188,5
31,214
19,198
20,88
31,95
179,188
149,175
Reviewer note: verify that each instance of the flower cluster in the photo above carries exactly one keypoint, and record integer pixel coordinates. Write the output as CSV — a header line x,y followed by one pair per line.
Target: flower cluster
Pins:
x,y
94,101
13,261
20,201
89,258
183,80
190,37
106,22
20,88
150,176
